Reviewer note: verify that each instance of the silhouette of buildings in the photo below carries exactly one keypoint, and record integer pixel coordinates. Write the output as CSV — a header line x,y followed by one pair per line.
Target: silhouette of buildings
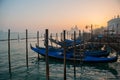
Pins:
x,y
114,25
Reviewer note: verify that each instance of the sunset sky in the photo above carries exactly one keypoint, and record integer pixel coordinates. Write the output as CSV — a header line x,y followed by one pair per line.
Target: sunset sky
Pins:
x,y
55,15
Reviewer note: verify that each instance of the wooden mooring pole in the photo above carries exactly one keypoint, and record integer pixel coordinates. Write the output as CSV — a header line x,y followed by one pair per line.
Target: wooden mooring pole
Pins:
x,y
56,39
64,34
27,48
74,55
9,60
61,35
72,36
80,34
83,36
67,34
38,42
51,38
46,57
18,38
91,31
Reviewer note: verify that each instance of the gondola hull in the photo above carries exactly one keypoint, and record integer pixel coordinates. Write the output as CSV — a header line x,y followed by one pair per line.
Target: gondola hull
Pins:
x,y
94,53
59,55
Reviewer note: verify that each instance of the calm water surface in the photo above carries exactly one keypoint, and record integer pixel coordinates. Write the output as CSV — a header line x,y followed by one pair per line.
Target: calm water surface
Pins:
x,y
37,69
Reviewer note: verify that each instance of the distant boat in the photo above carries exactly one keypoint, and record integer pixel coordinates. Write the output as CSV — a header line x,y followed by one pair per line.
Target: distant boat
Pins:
x,y
59,55
68,42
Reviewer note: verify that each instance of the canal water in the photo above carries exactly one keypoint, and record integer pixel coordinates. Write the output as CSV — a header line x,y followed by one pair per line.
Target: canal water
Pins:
x,y
37,69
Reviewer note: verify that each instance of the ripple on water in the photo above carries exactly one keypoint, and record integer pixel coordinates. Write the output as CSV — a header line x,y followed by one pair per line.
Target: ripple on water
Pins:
x,y
37,69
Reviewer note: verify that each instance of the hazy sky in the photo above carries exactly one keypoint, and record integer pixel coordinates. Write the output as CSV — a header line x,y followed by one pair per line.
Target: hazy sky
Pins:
x,y
55,14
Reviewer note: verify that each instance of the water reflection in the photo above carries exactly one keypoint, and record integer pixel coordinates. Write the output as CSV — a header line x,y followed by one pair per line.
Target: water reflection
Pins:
x,y
83,70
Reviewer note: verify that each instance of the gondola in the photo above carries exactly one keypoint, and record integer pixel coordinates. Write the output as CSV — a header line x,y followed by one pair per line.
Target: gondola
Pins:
x,y
94,53
69,43
69,57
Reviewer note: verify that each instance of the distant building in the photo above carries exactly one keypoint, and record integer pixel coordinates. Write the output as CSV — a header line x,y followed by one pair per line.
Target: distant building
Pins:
x,y
86,36
114,25
74,29
99,30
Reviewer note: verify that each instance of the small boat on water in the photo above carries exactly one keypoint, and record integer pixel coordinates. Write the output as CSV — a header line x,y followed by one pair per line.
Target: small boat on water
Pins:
x,y
68,42
69,56
94,53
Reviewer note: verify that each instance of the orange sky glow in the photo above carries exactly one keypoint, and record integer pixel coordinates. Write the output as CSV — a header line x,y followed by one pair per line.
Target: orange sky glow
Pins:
x,y
56,15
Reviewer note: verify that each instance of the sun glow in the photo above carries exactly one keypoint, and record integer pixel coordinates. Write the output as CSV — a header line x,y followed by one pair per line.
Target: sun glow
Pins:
x,y
56,15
